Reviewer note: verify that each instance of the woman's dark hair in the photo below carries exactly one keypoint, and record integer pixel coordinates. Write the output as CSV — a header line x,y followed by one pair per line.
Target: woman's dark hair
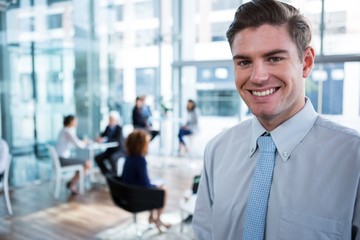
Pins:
x,y
193,104
137,142
68,119
255,13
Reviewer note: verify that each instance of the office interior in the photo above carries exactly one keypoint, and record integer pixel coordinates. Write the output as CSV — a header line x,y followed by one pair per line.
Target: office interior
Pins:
x,y
90,57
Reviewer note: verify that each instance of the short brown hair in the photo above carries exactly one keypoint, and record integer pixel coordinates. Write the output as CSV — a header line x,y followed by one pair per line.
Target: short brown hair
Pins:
x,y
68,119
137,143
255,13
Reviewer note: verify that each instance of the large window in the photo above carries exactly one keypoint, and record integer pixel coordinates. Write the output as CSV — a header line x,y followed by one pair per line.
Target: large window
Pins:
x,y
55,21
146,9
342,31
325,88
146,37
225,4
146,81
218,102
218,74
55,87
218,31
215,91
27,24
119,12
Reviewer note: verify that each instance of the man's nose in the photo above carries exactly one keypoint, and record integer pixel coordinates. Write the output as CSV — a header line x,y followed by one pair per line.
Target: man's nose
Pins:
x,y
259,73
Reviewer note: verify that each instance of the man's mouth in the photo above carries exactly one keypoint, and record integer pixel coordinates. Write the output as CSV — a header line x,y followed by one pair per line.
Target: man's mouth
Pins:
x,y
264,93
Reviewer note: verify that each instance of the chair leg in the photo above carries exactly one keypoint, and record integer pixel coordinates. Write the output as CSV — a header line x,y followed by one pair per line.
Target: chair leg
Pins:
x,y
57,186
7,197
138,233
182,220
81,181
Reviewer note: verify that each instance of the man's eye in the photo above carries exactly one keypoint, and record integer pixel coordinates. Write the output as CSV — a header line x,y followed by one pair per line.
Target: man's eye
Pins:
x,y
243,63
274,59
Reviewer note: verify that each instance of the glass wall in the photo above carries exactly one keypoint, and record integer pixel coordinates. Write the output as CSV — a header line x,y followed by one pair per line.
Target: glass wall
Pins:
x,y
81,57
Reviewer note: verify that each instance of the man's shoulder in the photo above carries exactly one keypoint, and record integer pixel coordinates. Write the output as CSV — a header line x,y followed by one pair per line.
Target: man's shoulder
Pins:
x,y
336,128
3,144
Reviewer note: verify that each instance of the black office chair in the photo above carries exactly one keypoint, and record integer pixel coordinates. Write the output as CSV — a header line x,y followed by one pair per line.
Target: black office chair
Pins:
x,y
134,199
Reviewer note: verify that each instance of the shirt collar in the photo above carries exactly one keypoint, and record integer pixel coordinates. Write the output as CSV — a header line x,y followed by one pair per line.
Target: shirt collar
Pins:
x,y
289,134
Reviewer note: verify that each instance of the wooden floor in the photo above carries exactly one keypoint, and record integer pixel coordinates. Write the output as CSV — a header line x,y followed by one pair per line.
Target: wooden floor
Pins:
x,y
37,215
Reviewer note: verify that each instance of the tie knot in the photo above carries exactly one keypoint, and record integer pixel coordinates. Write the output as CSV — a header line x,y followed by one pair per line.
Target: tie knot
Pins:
x,y
266,144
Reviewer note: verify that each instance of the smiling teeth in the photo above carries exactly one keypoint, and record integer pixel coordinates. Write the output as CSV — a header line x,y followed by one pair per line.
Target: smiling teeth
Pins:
x,y
264,93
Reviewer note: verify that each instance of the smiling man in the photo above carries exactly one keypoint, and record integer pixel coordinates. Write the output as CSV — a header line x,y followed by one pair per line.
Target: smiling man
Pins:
x,y
287,173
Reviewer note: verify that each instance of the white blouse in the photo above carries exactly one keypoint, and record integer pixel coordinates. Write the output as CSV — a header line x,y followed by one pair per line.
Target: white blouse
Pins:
x,y
67,141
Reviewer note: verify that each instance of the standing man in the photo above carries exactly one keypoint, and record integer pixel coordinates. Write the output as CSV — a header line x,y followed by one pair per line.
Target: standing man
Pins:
x,y
141,114
113,133
300,180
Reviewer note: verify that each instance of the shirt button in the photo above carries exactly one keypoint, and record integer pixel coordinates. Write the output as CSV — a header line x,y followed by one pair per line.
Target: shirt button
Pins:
x,y
286,154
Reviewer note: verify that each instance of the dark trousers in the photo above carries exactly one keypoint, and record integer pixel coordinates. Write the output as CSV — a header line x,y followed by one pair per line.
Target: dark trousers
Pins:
x,y
153,134
183,132
112,158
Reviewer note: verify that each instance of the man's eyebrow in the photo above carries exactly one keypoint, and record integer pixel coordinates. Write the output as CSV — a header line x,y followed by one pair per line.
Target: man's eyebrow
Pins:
x,y
239,56
268,54
274,52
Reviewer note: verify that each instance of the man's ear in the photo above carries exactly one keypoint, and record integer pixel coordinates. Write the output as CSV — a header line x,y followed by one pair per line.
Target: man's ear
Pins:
x,y
308,62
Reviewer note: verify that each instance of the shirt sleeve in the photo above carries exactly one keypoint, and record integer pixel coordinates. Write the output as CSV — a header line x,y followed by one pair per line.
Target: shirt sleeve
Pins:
x,y
202,221
355,233
75,140
105,132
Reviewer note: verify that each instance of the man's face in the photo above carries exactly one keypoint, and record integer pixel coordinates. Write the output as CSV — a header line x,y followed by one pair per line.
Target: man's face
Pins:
x,y
269,74
112,121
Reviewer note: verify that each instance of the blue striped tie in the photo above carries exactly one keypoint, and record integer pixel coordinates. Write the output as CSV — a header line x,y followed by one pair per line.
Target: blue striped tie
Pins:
x,y
255,213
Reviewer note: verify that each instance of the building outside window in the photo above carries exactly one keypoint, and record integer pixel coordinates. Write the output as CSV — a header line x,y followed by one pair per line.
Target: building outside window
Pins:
x,y
27,24
146,81
218,31
55,21
119,12
146,37
215,91
225,4
146,9
224,103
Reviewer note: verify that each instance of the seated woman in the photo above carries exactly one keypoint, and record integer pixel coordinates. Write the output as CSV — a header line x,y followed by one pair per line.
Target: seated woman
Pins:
x,y
68,140
190,127
135,170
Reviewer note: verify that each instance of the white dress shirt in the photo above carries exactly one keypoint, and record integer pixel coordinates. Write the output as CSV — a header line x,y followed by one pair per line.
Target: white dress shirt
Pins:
x,y
67,141
314,193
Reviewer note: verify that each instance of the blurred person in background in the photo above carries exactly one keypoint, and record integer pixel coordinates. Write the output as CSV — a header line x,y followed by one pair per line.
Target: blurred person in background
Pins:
x,y
112,133
66,142
141,115
191,125
135,169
